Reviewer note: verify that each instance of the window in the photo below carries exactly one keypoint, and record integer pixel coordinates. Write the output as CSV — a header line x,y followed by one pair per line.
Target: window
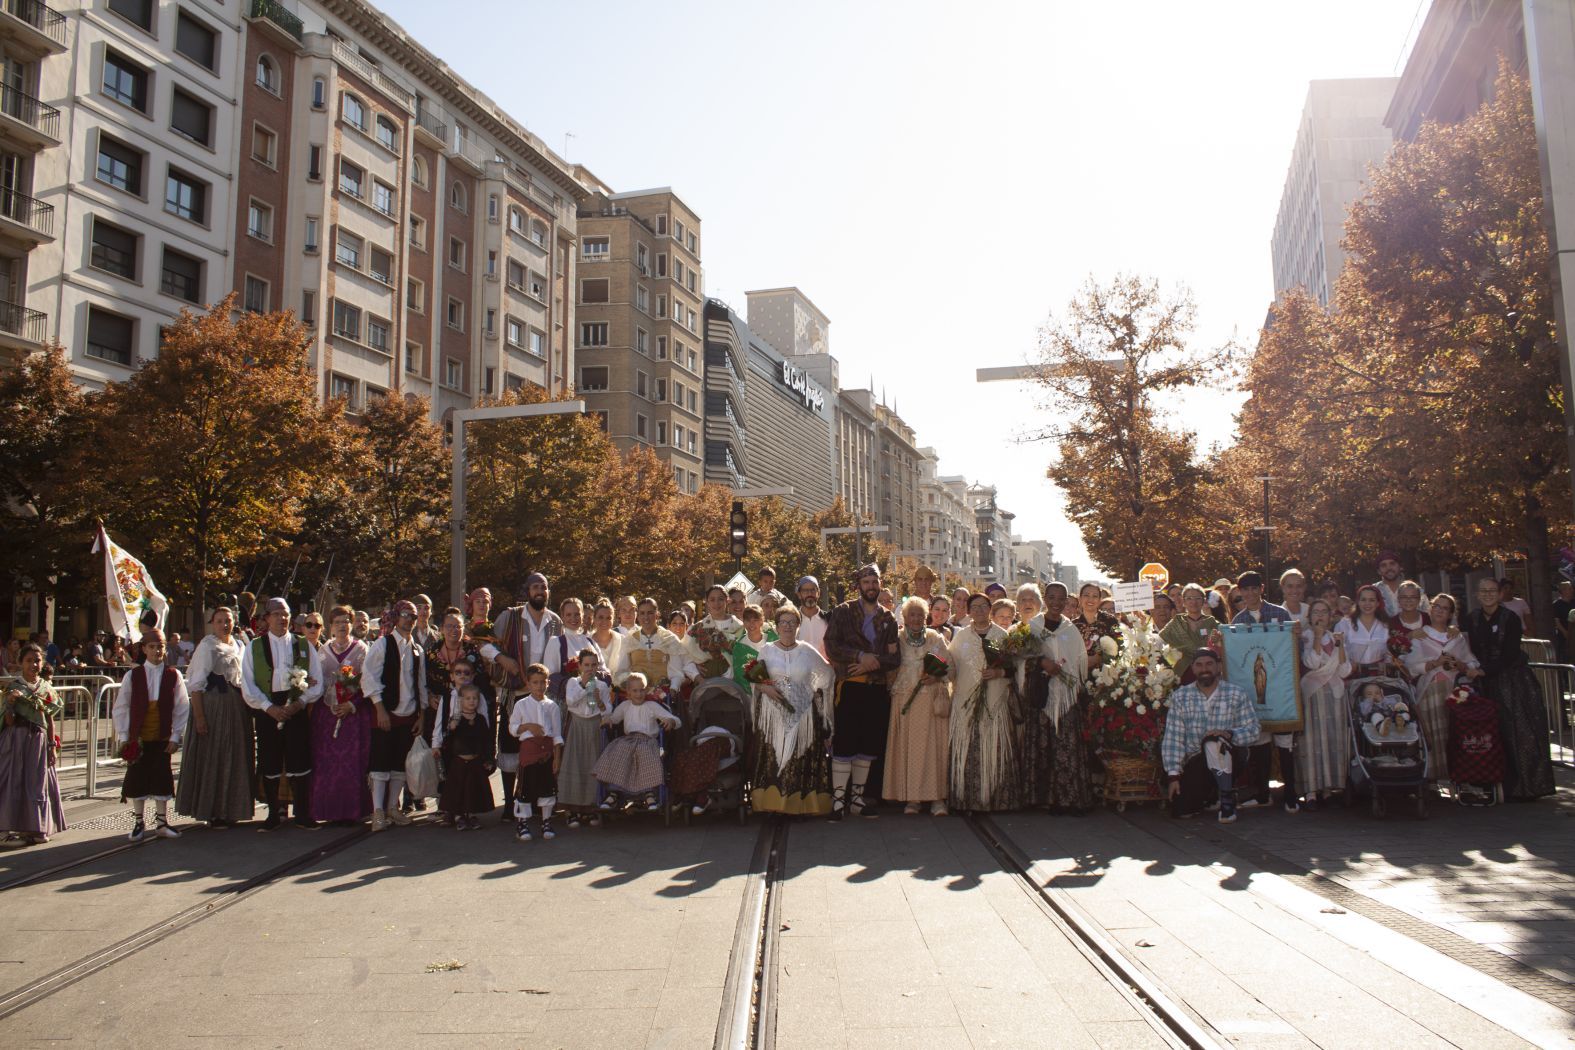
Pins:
x,y
492,207
351,178
692,367
538,232
661,390
347,248
119,165
593,378
259,221
125,81
453,373
517,221
691,280
319,93
691,449
418,232
661,306
593,333
313,224
678,394
640,257
186,196
692,321
602,421
418,172
415,296
492,264
309,308
254,295
353,110
595,248
661,348
678,442
661,431
538,343
514,331
516,274
110,336
641,426
341,387
661,225
137,12
382,267
538,286
691,244
457,198
661,264
387,134
347,320
267,74
678,270
641,384
377,334
489,377
594,291
412,357
491,322
456,253
196,41
383,197
456,314
512,382
314,162
642,298
678,230
114,250
642,341
692,404
264,144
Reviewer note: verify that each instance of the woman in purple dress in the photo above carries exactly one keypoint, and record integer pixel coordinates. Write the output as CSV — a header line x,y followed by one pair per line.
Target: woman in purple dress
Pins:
x,y
341,728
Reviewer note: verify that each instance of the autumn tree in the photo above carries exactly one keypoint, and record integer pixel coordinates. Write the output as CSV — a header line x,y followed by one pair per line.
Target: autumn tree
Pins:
x,y
44,448
216,441
1129,478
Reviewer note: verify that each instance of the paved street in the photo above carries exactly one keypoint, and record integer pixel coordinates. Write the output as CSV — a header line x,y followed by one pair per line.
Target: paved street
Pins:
x,y
1318,930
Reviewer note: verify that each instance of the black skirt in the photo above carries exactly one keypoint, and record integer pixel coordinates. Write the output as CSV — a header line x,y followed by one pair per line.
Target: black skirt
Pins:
x,y
535,782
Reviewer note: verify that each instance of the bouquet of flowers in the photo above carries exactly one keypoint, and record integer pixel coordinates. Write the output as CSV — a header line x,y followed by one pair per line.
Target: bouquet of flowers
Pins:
x,y
995,659
1130,692
345,688
572,667
935,669
1399,644
715,643
1022,643
479,631
756,671
131,751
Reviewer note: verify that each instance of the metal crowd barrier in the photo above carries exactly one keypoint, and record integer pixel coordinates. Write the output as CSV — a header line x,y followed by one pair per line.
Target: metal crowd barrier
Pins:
x,y
82,743
1558,696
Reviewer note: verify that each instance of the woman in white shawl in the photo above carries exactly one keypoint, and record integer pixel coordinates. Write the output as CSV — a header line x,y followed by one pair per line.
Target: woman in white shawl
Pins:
x,y
986,773
1325,749
1063,663
792,725
1439,655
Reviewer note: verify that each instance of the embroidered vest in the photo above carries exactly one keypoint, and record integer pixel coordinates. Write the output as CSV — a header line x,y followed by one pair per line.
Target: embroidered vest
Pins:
x,y
140,701
262,661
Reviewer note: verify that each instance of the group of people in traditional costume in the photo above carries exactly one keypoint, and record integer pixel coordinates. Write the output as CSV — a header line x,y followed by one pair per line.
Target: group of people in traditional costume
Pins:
x,y
973,702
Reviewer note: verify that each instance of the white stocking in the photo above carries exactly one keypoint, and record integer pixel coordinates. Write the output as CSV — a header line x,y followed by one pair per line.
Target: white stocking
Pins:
x,y
379,796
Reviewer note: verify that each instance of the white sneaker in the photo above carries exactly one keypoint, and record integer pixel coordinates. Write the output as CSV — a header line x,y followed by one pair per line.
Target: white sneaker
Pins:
x,y
1227,818
162,829
696,810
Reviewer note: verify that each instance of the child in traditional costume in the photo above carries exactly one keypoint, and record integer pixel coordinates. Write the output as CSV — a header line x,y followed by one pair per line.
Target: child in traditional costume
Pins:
x,y
468,752
589,700
537,724
150,713
632,764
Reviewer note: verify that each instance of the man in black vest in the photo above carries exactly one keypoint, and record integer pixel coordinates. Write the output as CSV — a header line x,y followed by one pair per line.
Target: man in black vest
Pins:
x,y
394,678
272,668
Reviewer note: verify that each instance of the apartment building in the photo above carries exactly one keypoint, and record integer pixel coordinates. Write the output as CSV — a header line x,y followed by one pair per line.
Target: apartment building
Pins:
x,y
949,534
308,156
994,525
1033,562
639,301
898,466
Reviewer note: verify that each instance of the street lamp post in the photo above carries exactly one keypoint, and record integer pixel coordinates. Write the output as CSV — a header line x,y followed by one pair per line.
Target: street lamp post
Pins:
x,y
858,530
1266,529
456,580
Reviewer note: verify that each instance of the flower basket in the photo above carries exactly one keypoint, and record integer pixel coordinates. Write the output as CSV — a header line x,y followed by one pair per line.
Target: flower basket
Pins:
x,y
1129,778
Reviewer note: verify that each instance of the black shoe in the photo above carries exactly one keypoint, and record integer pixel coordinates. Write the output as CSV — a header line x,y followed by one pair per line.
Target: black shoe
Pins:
x,y
139,831
308,823
272,821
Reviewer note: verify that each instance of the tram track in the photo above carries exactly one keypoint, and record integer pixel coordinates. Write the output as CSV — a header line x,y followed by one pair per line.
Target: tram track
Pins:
x,y
1165,1014
94,962
748,1017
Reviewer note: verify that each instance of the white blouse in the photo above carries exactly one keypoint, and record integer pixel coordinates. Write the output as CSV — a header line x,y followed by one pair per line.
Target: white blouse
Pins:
x,y
648,717
1364,645
214,657
544,712
587,700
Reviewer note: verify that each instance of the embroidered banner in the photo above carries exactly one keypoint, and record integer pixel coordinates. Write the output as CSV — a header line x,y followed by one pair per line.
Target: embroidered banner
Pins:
x,y
1263,659
128,588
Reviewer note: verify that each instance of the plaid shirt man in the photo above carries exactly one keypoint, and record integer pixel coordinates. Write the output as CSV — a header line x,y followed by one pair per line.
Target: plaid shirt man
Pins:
x,y
1193,715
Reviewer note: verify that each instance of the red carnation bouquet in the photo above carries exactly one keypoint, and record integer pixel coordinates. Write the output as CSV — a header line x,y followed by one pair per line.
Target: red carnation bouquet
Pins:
x,y
756,671
1400,644
131,751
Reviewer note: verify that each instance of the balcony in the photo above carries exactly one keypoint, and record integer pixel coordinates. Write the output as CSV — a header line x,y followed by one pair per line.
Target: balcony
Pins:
x,y
33,27
24,220
20,328
274,14
430,124
26,120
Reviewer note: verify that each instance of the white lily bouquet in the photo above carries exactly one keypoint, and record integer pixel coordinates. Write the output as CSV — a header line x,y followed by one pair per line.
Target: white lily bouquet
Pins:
x,y
1131,689
296,683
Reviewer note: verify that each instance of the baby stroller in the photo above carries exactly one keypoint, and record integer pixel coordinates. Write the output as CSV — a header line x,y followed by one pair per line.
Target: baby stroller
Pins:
x,y
714,764
1476,753
1387,761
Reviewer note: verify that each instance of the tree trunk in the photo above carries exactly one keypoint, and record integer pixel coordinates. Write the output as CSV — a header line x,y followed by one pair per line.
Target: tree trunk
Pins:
x,y
1539,567
201,626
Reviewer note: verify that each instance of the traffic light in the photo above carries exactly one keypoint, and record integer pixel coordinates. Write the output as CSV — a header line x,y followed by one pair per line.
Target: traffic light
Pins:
x,y
738,530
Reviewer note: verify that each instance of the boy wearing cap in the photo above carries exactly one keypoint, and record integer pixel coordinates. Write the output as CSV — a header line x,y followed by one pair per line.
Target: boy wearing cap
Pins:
x,y
280,675
150,713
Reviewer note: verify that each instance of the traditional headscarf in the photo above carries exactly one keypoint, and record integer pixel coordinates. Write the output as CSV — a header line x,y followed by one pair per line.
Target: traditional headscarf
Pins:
x,y
869,570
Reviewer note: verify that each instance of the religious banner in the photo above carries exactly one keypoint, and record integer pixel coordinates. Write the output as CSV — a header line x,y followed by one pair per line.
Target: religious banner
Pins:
x,y
1263,659
128,589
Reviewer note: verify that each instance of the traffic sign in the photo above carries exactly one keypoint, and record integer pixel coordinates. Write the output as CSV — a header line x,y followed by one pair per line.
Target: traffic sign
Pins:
x,y
1156,574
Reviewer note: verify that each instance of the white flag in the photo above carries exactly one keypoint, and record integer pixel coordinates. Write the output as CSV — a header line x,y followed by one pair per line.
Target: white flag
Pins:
x,y
128,588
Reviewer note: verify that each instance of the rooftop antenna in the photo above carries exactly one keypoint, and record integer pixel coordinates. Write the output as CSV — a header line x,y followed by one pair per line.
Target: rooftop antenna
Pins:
x,y
567,135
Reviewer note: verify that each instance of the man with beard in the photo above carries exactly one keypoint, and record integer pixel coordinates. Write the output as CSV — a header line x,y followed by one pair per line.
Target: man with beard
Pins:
x,y
653,651
710,642
394,678
813,622
284,736
861,644
524,632
1209,722
1389,579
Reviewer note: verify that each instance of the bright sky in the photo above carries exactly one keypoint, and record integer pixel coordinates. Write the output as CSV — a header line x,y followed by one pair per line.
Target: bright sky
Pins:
x,y
937,177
